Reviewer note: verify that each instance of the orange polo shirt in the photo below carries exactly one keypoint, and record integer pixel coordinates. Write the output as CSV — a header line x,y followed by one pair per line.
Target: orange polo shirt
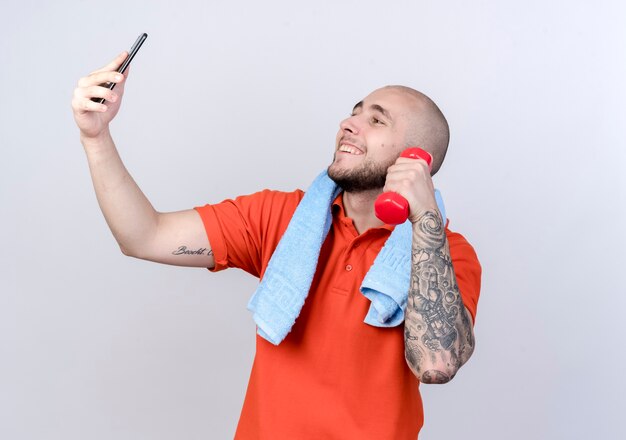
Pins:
x,y
333,377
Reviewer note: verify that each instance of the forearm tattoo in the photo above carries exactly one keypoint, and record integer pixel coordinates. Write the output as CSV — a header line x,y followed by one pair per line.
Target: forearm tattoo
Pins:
x,y
437,328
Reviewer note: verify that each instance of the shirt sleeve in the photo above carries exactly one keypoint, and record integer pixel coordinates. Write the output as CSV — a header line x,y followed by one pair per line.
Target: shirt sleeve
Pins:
x,y
243,232
467,270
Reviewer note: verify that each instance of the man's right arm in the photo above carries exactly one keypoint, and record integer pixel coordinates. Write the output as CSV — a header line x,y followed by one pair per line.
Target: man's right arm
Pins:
x,y
177,238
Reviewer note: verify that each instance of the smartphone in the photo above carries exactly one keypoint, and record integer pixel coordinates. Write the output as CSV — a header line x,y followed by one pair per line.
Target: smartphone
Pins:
x,y
131,54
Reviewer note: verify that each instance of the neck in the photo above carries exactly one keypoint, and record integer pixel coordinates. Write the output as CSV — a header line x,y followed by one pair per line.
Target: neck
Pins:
x,y
359,206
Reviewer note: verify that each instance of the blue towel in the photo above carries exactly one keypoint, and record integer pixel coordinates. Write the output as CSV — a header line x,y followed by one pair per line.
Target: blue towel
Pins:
x,y
278,299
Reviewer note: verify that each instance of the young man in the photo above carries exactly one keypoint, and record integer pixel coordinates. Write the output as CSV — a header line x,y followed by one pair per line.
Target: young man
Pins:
x,y
333,375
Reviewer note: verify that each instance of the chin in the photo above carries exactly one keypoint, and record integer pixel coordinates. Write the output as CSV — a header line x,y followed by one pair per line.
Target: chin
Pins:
x,y
364,177
336,169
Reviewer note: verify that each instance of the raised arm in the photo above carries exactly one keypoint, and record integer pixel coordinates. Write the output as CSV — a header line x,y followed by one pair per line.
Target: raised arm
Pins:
x,y
438,331
177,238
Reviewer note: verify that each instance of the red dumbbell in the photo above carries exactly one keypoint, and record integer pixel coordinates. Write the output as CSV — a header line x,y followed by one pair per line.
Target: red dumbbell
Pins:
x,y
391,207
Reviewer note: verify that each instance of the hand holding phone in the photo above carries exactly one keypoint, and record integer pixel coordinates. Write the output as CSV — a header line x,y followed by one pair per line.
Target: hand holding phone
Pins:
x,y
91,114
391,207
125,64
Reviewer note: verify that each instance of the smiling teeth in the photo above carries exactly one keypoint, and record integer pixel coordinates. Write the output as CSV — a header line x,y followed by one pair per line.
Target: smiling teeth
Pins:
x,y
349,149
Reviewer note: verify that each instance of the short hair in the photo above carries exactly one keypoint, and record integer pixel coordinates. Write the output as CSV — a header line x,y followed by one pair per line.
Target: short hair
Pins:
x,y
428,127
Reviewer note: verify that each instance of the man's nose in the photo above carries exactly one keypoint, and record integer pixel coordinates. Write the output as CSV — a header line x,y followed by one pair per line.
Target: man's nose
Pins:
x,y
350,124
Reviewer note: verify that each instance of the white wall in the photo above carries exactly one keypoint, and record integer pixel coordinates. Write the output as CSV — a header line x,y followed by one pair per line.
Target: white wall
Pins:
x,y
227,98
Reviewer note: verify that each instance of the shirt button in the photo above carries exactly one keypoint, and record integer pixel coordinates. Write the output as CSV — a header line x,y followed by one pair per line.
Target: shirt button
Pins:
x,y
349,267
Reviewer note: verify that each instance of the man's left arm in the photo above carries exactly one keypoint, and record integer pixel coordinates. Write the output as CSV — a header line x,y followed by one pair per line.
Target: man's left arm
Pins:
x,y
438,330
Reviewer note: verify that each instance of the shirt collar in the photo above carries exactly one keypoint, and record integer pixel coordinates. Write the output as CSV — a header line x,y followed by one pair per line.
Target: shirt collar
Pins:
x,y
339,212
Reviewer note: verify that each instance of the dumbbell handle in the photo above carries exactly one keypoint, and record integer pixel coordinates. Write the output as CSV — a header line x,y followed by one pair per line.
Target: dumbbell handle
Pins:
x,y
391,207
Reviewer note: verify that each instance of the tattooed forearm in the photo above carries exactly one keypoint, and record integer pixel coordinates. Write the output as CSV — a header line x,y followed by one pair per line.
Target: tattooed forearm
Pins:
x,y
183,250
414,354
438,333
434,376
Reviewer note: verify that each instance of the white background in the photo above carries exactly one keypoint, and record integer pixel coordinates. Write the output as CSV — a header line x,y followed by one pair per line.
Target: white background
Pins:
x,y
227,98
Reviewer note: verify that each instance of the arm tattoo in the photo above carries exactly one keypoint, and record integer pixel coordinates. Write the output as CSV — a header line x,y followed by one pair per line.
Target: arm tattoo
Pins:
x,y
434,376
183,250
437,329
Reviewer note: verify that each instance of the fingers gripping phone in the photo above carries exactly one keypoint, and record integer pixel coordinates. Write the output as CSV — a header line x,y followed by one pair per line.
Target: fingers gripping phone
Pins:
x,y
131,54
391,207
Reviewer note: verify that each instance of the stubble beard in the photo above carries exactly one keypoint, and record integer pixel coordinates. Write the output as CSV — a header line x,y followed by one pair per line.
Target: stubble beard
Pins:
x,y
367,177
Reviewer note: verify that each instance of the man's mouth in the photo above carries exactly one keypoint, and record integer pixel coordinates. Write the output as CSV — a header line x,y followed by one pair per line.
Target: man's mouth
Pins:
x,y
351,149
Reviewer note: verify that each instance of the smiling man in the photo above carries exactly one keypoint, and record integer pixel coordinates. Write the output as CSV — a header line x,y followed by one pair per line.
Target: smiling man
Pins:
x,y
333,375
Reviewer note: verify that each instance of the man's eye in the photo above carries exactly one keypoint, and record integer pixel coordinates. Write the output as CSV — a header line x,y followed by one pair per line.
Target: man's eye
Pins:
x,y
377,121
